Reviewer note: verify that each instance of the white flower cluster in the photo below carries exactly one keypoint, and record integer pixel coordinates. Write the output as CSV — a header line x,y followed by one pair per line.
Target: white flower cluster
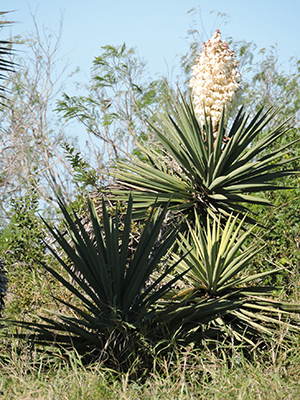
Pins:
x,y
215,79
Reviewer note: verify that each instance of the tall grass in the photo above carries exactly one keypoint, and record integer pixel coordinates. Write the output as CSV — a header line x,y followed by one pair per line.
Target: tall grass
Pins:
x,y
190,374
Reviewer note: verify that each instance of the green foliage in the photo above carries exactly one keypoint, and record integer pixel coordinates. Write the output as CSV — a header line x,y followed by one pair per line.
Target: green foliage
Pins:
x,y
84,176
22,239
122,304
197,171
22,248
281,236
121,300
269,84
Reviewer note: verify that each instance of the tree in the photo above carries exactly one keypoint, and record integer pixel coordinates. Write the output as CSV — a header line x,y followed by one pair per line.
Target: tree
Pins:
x,y
120,100
31,139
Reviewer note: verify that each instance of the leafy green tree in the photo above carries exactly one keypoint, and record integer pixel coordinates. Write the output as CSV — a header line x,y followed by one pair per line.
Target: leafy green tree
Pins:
x,y
22,238
22,248
84,176
120,100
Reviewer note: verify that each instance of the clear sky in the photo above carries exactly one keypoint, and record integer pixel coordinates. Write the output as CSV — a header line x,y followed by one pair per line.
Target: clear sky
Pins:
x,y
157,28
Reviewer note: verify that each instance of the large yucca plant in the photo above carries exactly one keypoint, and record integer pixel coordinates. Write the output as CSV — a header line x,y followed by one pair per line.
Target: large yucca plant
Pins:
x,y
211,172
221,288
114,295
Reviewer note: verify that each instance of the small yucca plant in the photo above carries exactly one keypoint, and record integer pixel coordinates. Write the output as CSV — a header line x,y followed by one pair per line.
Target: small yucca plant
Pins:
x,y
218,283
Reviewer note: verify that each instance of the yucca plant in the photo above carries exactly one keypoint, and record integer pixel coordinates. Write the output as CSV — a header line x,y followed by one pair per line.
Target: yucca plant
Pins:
x,y
114,292
220,288
203,162
198,169
6,65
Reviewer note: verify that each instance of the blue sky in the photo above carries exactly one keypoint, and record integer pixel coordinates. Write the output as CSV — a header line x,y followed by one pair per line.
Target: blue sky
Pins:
x,y
157,28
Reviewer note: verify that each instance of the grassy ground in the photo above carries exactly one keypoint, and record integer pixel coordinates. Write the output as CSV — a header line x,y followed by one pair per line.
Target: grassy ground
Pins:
x,y
199,375
274,375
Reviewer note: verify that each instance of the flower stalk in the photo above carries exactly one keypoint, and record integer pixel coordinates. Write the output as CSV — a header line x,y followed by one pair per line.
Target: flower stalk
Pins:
x,y
215,80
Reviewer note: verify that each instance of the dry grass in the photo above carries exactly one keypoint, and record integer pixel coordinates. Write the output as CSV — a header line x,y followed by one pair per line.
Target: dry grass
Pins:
x,y
190,375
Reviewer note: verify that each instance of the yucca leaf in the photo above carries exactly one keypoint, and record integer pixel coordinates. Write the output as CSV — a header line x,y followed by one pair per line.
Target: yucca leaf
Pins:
x,y
72,289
